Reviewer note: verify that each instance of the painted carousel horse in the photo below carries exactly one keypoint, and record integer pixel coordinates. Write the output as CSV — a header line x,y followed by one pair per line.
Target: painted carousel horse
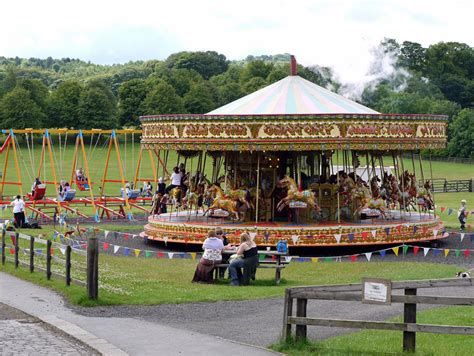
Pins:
x,y
222,202
294,194
365,202
408,193
346,186
425,198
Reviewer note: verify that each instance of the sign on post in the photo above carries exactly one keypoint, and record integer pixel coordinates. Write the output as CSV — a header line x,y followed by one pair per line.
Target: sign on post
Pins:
x,y
376,291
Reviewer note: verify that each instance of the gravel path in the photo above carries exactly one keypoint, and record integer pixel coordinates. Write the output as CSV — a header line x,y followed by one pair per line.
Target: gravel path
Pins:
x,y
257,322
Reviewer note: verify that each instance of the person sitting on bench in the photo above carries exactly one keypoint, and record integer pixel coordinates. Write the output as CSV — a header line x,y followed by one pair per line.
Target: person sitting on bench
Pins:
x,y
211,257
247,258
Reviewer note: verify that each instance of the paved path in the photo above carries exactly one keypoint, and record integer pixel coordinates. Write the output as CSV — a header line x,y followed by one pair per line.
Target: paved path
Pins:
x,y
115,335
22,334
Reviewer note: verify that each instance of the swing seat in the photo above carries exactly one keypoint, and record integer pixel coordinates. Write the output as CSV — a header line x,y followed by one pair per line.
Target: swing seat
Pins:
x,y
70,195
133,194
82,185
39,192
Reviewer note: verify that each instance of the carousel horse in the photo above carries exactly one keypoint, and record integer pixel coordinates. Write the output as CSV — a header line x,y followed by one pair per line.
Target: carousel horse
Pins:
x,y
194,196
346,185
367,201
294,194
425,198
222,202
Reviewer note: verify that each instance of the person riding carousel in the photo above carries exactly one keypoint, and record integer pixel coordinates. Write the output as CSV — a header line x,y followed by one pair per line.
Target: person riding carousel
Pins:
x,y
36,183
176,178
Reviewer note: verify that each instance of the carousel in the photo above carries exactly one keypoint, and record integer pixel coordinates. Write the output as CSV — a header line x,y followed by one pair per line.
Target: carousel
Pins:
x,y
296,162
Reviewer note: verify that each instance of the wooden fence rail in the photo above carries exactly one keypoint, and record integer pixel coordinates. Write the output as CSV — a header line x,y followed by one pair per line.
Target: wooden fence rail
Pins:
x,y
92,269
441,185
354,292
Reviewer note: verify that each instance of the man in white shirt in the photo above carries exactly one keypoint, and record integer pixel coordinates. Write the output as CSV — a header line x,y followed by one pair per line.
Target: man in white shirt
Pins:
x,y
18,211
175,180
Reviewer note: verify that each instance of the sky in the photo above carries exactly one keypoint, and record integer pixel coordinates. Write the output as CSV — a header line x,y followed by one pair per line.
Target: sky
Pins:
x,y
337,33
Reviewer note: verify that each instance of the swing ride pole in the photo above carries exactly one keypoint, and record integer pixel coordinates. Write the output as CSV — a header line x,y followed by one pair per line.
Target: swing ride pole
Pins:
x,y
104,176
122,177
43,145
5,166
135,178
74,161
17,165
50,152
88,173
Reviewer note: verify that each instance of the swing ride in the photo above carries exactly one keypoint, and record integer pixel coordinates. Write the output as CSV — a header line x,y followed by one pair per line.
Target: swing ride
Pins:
x,y
295,161
52,195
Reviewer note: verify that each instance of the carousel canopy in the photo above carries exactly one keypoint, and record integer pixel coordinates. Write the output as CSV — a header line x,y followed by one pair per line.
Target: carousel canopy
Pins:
x,y
292,95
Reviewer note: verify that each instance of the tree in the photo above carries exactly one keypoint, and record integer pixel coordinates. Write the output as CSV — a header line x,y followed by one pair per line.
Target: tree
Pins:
x,y
462,134
162,99
131,95
97,107
229,92
412,56
207,63
254,84
38,91
255,69
199,100
63,105
18,110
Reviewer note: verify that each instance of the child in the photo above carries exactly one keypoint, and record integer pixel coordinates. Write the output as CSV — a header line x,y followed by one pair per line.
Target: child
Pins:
x,y
462,215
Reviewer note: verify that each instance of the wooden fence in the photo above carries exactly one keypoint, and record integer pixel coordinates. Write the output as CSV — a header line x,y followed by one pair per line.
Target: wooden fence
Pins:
x,y
92,259
353,292
441,185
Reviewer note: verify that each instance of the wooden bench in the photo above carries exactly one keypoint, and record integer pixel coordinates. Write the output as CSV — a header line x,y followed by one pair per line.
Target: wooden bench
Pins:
x,y
276,264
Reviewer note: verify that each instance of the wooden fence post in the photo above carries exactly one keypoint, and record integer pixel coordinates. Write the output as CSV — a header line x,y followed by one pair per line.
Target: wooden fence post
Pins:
x,y
48,259
93,267
301,330
17,249
409,316
3,245
287,313
68,265
32,254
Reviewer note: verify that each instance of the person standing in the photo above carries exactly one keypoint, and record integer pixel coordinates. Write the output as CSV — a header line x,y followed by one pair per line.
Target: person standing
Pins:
x,y
18,211
462,215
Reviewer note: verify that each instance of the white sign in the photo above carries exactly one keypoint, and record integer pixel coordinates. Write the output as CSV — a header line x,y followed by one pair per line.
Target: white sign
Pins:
x,y
377,291
298,205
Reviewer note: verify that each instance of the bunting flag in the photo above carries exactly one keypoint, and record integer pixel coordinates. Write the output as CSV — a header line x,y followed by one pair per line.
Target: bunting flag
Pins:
x,y
193,255
63,250
337,237
125,236
365,235
353,258
350,237
106,233
147,254
368,255
462,236
435,232
387,231
405,249
314,259
165,240
450,211
469,227
426,250
415,228
12,251
295,239
261,257
105,246
399,229
374,233
252,235
382,253
457,253
395,250
328,259
436,252
137,252
116,248
466,214
443,209
415,250
52,251
160,255
446,252
288,259
126,251
466,253
170,255
13,239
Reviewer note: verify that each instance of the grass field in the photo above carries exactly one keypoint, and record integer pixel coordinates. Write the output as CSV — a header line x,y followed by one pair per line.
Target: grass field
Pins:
x,y
378,342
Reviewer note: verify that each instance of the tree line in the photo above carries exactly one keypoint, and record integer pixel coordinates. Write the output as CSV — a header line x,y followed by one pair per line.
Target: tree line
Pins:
x,y
77,94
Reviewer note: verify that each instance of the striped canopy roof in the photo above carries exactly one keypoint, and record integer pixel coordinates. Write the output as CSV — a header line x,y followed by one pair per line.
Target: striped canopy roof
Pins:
x,y
292,95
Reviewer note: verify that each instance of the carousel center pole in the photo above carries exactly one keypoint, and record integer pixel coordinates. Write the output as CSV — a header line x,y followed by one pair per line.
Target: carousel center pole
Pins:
x,y
258,187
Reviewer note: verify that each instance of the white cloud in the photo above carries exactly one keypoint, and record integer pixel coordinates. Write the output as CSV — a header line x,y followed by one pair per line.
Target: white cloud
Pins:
x,y
331,33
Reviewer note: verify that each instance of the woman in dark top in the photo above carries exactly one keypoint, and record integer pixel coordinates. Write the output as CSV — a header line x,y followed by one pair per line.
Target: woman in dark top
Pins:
x,y
247,249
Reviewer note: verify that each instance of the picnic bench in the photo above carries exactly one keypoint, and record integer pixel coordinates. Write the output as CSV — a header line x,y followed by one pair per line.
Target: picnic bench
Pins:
x,y
277,262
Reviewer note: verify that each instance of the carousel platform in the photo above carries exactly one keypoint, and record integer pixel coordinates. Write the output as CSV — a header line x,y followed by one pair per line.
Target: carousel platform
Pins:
x,y
189,228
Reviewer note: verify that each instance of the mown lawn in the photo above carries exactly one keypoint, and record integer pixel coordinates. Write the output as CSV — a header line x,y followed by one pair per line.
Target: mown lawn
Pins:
x,y
129,280
379,342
